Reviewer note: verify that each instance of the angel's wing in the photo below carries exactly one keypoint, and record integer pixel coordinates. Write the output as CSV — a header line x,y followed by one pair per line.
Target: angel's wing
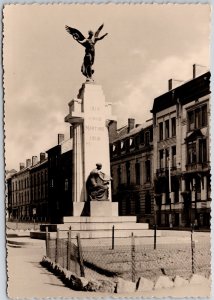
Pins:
x,y
77,35
98,31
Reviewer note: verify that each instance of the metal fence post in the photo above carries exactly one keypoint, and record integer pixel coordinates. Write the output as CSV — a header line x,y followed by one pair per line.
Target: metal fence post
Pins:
x,y
47,241
57,246
133,257
193,250
113,237
79,247
155,236
69,250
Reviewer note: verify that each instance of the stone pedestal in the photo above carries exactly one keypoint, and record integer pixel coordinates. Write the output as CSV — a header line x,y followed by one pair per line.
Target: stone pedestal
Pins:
x,y
103,209
89,116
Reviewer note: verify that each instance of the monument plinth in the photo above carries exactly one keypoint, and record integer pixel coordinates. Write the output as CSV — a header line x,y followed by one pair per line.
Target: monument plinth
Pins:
x,y
89,116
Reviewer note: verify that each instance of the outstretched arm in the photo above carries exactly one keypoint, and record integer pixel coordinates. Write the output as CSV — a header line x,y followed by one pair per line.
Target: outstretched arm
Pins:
x,y
98,31
100,38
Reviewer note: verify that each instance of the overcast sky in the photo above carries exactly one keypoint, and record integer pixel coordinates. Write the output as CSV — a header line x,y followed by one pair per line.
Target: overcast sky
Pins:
x,y
146,46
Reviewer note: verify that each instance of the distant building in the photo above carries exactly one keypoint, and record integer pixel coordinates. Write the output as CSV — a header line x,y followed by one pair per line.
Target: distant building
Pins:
x,y
39,188
26,197
131,166
60,180
182,154
8,193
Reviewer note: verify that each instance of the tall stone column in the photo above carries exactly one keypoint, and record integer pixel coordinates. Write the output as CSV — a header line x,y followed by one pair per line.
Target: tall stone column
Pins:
x,y
77,165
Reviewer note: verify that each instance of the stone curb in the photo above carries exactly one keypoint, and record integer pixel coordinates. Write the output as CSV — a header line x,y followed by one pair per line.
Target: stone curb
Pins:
x,y
119,285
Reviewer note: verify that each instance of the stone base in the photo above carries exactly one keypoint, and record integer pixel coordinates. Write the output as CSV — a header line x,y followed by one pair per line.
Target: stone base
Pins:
x,y
95,209
103,209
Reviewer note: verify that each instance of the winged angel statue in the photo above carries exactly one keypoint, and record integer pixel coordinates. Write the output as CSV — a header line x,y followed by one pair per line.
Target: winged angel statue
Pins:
x,y
89,44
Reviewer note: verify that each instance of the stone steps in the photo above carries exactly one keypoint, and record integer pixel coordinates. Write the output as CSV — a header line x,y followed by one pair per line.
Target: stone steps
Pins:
x,y
103,226
92,219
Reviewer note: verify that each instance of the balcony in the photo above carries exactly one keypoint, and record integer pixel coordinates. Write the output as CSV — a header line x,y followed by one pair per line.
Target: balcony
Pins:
x,y
202,204
197,167
165,171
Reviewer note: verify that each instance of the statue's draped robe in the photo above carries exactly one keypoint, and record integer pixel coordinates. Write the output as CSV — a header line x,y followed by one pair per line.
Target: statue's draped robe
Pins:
x,y
97,186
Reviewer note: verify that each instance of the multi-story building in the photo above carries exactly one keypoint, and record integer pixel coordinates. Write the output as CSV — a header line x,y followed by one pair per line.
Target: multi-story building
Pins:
x,y
131,168
60,180
39,188
20,182
8,193
181,154
27,191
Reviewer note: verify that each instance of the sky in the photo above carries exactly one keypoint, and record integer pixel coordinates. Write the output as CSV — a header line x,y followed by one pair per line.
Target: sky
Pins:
x,y
145,47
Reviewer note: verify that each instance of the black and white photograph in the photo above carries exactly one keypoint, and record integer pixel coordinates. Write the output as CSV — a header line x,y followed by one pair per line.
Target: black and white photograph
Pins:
x,y
107,150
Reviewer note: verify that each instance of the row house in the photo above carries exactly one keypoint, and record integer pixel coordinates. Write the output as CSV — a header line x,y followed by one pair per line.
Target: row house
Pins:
x,y
24,191
39,187
131,169
181,154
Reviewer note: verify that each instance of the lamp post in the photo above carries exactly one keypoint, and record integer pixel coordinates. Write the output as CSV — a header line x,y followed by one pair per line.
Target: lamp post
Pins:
x,y
195,206
169,174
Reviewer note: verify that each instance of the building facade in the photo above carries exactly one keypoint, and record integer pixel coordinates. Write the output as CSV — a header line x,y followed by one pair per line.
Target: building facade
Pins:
x,y
60,180
27,191
39,188
181,154
131,167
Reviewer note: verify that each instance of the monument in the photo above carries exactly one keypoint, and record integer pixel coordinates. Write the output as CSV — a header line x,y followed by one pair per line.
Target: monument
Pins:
x,y
89,116
93,212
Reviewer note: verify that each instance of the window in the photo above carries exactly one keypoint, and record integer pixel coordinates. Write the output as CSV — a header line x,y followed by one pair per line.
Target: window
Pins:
x,y
128,172
191,153
137,141
161,131
167,129
147,138
137,172
202,151
173,123
148,170
204,115
174,156
191,120
151,135
197,118
161,158
142,137
148,203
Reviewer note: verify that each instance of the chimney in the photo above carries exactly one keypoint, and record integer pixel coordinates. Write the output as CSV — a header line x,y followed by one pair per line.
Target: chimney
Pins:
x,y
42,156
60,138
170,84
21,166
34,160
28,163
131,124
173,83
112,129
199,70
